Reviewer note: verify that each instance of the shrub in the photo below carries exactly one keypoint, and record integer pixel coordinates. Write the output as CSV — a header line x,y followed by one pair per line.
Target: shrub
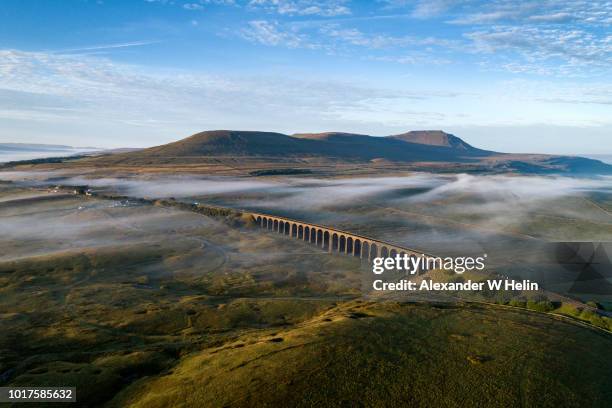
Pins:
x,y
594,304
569,309
517,303
540,306
595,319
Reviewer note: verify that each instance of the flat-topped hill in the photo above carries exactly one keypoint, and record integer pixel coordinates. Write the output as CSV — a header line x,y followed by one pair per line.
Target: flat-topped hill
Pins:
x,y
418,149
334,144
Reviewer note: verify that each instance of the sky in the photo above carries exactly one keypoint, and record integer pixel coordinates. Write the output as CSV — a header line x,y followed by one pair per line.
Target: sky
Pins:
x,y
513,76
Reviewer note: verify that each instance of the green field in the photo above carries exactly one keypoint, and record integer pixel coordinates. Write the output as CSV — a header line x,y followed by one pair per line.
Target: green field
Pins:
x,y
140,305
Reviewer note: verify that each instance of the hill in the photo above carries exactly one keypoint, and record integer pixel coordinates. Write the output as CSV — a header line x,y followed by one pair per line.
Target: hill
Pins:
x,y
383,355
422,150
337,145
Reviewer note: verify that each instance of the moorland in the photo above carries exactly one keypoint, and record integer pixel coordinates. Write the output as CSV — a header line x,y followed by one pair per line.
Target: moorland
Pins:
x,y
141,303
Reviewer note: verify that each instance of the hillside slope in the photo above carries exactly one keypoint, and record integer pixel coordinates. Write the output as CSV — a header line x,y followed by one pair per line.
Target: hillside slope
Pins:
x,y
419,149
434,138
384,355
336,145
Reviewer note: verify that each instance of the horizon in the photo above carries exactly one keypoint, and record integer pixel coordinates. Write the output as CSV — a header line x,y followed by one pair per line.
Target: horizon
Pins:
x,y
508,76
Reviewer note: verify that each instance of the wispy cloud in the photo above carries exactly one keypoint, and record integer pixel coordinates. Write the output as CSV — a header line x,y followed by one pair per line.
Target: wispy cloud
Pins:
x,y
271,33
193,6
572,48
112,95
357,37
430,8
325,8
107,46
529,12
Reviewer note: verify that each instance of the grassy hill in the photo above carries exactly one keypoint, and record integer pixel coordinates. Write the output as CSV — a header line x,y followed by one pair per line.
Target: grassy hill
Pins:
x,y
390,354
156,307
418,147
336,145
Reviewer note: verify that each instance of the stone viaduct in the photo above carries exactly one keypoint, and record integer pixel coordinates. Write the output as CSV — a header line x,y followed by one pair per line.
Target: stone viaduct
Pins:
x,y
331,239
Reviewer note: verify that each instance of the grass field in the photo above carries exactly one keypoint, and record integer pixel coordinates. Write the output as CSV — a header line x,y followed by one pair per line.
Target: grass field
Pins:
x,y
390,354
147,306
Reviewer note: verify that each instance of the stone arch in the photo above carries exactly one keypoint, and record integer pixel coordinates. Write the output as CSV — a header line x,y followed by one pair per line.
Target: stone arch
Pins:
x,y
342,244
384,252
334,242
294,230
300,233
275,226
357,245
349,245
270,224
373,251
365,250
307,233
287,228
326,240
319,237
259,221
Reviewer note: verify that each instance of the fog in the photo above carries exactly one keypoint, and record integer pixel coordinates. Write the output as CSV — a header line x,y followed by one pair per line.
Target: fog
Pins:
x,y
16,154
46,227
491,201
511,218
502,200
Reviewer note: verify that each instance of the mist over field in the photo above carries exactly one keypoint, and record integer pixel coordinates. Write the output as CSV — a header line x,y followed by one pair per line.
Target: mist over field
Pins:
x,y
504,215
16,152
487,201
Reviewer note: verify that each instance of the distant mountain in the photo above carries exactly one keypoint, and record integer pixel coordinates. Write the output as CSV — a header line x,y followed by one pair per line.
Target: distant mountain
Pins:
x,y
337,145
417,147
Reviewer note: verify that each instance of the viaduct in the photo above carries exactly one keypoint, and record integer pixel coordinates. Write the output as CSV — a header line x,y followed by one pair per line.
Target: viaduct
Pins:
x,y
331,239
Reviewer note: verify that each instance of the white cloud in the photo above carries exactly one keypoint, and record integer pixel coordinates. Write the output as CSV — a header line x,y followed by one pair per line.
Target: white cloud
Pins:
x,y
431,8
325,8
271,33
484,18
193,6
542,11
559,50
356,37
552,18
93,96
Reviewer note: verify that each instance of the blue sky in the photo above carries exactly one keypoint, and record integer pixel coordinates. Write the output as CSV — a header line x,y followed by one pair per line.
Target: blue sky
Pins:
x,y
517,76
